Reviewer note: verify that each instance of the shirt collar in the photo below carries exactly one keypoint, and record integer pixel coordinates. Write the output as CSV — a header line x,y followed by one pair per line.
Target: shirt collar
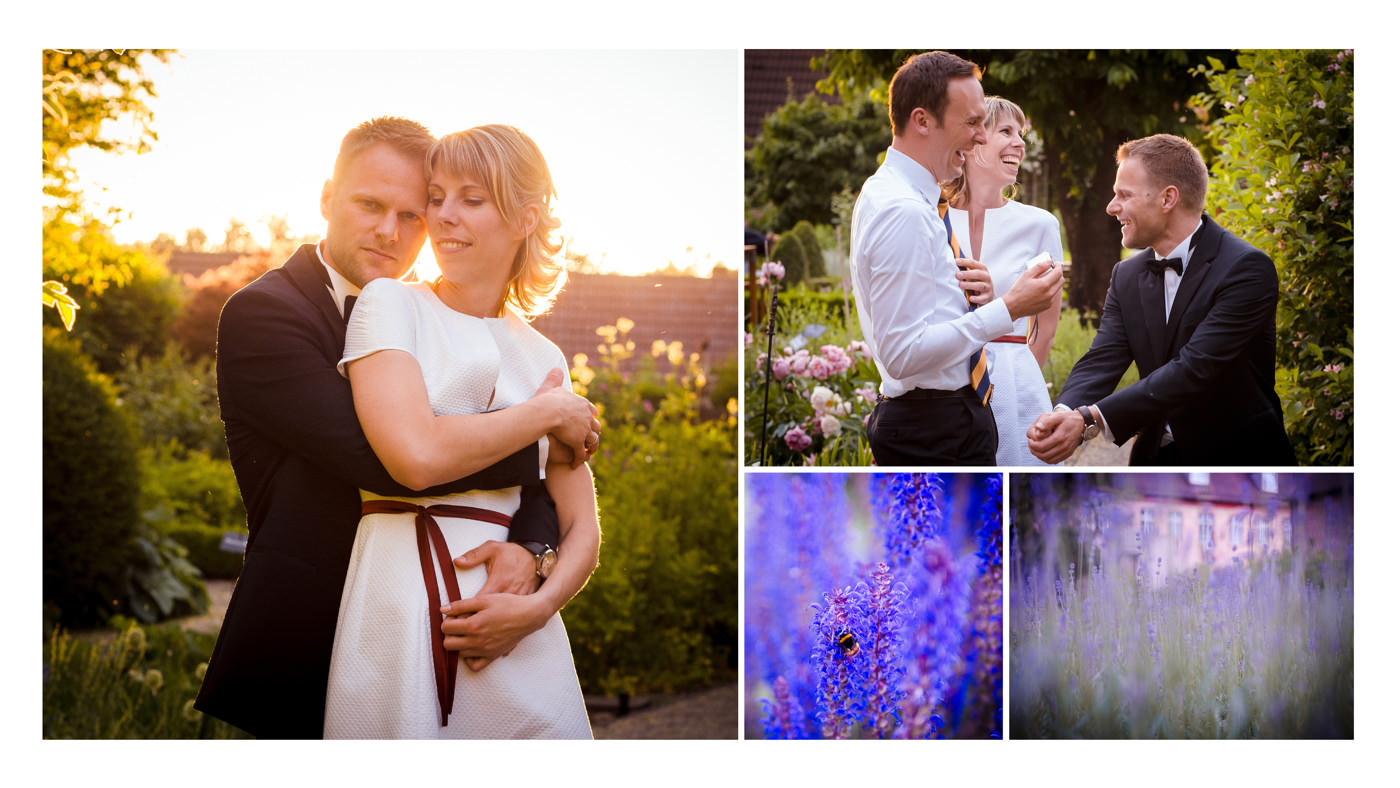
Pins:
x,y
1183,250
916,174
340,287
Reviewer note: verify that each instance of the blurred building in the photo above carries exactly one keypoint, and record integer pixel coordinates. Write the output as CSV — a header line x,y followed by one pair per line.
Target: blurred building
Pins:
x,y
1175,522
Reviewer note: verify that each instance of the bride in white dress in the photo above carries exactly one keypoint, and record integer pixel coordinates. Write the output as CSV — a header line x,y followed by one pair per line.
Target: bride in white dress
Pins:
x,y
459,345
1005,235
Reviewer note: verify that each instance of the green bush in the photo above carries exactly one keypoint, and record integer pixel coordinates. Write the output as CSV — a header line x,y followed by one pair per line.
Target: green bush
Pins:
x,y
792,253
174,400
101,556
660,614
91,487
127,300
806,234
193,500
808,151
140,684
1283,180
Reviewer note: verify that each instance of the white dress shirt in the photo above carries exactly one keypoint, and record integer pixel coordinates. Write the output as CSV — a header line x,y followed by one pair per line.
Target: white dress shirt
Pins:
x,y
340,286
911,309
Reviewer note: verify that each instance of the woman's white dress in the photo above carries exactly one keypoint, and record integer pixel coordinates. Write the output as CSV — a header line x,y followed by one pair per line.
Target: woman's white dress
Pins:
x,y
381,677
1012,236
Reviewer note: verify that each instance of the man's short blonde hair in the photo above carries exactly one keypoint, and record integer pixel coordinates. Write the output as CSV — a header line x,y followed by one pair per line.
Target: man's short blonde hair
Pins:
x,y
1171,161
407,137
513,171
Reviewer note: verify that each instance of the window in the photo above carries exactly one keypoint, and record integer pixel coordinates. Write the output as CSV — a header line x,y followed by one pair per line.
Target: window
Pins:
x,y
1174,526
1236,530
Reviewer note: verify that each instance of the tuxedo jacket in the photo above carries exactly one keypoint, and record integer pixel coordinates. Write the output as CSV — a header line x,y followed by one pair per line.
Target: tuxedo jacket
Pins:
x,y
301,458
1207,371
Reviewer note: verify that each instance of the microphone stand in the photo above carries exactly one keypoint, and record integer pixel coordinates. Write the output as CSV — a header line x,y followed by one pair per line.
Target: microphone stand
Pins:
x,y
767,377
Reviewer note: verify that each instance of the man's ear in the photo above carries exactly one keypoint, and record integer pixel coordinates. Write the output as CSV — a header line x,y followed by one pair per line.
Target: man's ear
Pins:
x,y
1170,196
327,191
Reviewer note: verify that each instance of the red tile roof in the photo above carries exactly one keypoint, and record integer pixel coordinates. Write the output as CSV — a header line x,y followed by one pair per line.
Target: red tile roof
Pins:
x,y
702,314
771,76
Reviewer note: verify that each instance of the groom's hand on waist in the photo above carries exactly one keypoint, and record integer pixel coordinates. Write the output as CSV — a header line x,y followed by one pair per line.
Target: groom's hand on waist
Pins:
x,y
510,568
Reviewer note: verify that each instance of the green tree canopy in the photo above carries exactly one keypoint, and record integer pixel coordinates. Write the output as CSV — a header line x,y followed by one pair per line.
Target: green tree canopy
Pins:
x,y
808,151
83,89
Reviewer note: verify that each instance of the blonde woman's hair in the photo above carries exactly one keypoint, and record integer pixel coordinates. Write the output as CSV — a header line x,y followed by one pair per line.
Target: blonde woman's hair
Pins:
x,y
511,168
956,191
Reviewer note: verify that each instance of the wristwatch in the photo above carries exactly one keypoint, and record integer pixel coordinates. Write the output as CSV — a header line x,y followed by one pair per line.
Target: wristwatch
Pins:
x,y
545,557
1091,427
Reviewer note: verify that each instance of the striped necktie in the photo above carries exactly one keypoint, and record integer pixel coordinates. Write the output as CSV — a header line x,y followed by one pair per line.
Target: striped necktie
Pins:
x,y
977,362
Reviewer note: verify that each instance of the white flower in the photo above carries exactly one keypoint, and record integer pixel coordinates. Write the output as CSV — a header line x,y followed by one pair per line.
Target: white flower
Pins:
x,y
830,425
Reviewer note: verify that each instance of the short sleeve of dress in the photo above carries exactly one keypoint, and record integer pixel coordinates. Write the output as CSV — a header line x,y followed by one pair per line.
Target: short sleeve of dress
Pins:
x,y
385,318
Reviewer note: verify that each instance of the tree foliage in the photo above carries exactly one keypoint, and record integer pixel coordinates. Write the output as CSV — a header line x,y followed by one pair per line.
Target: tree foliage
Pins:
x,y
808,151
196,327
83,89
1283,180
128,299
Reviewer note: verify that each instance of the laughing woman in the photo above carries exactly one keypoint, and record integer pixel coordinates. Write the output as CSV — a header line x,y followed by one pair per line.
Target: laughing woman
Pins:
x,y
415,353
1005,235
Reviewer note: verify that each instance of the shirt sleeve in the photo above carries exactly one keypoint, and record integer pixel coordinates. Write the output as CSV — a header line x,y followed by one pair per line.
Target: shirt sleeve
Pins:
x,y
383,319
905,245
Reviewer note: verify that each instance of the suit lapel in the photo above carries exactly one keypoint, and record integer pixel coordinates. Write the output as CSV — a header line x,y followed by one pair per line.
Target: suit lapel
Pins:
x,y
310,278
1152,302
1207,247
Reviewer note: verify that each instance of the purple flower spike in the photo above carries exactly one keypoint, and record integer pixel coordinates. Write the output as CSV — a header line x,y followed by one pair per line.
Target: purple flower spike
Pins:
x,y
841,661
782,716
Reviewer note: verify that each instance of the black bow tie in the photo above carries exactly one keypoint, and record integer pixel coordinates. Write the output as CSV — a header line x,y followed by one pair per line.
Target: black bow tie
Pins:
x,y
349,305
1159,267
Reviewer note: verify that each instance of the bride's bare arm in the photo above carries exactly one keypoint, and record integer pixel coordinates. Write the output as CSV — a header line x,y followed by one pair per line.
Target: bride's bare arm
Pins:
x,y
489,625
421,449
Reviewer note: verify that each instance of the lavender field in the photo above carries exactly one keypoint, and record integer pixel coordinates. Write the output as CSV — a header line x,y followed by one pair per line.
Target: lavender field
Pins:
x,y
1168,606
873,606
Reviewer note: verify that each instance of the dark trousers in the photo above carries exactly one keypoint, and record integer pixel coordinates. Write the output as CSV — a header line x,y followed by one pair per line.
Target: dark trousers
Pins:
x,y
928,427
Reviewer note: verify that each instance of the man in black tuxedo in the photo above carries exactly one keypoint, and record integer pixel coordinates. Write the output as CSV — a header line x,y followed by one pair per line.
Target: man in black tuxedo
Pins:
x,y
300,456
1195,311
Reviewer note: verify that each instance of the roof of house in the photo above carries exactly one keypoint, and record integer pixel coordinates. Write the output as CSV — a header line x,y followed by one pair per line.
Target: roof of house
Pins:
x,y
702,314
196,263
771,77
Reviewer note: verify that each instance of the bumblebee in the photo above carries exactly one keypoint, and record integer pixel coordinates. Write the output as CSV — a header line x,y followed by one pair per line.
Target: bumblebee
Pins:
x,y
848,644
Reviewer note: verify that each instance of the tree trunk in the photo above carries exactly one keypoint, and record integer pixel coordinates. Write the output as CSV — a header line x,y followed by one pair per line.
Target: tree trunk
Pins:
x,y
1094,239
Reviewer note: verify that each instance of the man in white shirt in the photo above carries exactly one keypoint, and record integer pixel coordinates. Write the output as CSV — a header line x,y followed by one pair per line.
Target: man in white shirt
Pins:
x,y
909,291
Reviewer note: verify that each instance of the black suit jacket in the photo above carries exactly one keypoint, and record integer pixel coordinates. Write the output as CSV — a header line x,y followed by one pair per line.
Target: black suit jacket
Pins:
x,y
301,458
1208,371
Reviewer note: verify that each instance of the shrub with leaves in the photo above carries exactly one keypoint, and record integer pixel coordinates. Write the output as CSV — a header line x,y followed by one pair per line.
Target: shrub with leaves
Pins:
x,y
1283,180
660,613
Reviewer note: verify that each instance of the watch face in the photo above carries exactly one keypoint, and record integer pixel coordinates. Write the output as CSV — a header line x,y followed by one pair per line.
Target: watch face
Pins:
x,y
547,561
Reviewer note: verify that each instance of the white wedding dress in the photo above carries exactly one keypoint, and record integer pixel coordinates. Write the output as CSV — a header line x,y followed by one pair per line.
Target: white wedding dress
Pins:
x,y
382,682
1012,236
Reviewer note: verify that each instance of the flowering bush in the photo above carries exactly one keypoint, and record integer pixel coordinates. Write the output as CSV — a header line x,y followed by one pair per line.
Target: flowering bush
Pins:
x,y
1284,181
818,391
873,606
1108,641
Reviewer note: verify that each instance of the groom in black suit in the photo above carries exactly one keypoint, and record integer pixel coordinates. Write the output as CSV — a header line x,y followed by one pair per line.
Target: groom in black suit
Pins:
x,y
300,456
1195,311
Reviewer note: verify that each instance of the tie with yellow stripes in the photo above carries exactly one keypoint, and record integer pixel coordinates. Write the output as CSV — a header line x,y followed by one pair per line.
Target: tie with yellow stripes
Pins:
x,y
977,362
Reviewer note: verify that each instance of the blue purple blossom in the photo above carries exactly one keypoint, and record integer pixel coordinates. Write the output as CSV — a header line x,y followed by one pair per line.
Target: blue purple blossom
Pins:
x,y
869,609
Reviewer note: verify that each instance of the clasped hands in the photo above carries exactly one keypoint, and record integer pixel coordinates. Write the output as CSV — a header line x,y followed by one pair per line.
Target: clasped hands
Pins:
x,y
576,437
503,612
1054,436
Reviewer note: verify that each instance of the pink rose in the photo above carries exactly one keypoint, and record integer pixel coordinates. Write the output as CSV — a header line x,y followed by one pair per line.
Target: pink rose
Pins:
x,y
797,440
